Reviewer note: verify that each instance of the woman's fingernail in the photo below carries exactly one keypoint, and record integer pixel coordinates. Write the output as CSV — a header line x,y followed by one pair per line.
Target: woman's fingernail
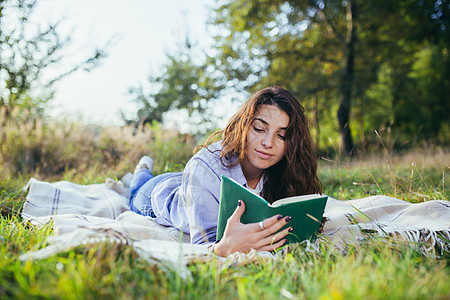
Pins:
x,y
239,203
279,217
288,218
291,229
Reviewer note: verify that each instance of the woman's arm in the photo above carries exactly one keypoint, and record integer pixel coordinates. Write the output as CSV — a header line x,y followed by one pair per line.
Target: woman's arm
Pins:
x,y
239,237
200,191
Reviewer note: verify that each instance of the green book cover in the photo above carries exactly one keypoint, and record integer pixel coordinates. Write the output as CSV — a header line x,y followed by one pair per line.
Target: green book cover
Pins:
x,y
306,211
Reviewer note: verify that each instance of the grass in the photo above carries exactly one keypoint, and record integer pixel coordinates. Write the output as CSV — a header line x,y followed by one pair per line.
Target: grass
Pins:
x,y
377,269
415,176
371,272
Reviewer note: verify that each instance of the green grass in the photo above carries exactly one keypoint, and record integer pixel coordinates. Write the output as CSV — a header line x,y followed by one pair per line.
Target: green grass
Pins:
x,y
414,176
377,269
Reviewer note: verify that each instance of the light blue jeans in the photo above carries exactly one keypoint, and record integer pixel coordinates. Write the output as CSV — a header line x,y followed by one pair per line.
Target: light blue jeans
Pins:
x,y
141,188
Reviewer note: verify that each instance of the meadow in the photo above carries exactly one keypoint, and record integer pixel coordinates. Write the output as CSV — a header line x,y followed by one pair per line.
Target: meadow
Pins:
x,y
376,269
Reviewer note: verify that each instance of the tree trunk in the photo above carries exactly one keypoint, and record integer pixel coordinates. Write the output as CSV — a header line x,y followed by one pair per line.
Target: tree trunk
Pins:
x,y
343,114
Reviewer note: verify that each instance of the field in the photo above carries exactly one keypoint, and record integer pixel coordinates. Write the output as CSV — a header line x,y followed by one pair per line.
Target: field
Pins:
x,y
378,269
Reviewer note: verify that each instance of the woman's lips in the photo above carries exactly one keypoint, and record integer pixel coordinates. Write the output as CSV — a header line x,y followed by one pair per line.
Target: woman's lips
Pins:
x,y
263,154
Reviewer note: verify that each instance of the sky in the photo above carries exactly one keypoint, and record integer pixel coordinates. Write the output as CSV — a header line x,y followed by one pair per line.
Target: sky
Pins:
x,y
142,32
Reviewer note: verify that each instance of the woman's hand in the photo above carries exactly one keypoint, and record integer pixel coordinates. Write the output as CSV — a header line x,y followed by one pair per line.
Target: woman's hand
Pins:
x,y
239,237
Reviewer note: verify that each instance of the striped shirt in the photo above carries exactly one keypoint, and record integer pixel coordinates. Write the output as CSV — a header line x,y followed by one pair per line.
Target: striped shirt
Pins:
x,y
189,200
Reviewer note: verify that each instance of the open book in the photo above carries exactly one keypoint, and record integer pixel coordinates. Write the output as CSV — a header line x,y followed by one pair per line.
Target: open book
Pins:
x,y
306,211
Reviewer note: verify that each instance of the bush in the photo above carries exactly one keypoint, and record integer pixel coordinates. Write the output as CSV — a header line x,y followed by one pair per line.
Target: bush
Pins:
x,y
39,146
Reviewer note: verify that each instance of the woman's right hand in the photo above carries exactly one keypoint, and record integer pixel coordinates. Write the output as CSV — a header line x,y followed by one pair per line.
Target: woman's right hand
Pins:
x,y
239,237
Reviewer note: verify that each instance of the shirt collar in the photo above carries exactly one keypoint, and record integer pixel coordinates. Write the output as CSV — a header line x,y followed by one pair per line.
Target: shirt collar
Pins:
x,y
235,172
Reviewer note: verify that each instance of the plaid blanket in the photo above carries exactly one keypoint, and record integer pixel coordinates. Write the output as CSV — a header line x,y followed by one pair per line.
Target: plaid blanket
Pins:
x,y
98,212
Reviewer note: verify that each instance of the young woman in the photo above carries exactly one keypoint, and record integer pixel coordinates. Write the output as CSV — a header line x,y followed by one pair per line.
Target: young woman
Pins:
x,y
266,146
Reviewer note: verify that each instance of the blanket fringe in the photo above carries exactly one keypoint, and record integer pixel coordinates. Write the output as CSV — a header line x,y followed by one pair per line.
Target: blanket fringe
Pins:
x,y
427,241
74,239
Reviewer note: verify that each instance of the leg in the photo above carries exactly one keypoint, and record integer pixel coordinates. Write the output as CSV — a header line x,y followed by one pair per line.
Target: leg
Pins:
x,y
140,201
142,174
138,180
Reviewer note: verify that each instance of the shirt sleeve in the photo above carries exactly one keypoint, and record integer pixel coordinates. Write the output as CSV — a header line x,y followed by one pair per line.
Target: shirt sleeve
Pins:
x,y
200,198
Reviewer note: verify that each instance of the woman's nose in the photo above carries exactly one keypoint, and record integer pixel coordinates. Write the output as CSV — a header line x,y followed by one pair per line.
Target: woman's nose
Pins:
x,y
267,140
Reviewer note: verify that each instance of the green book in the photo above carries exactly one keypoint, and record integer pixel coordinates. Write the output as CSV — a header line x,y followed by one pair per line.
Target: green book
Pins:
x,y
306,211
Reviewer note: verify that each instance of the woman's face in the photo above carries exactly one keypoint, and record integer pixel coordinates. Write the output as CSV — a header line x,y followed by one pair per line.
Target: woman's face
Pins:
x,y
266,144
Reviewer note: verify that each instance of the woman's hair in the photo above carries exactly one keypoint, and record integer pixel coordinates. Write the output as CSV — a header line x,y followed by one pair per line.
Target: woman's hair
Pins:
x,y
296,173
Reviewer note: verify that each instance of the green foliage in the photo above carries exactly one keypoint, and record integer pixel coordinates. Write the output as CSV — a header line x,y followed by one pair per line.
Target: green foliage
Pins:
x,y
185,85
430,72
379,102
398,83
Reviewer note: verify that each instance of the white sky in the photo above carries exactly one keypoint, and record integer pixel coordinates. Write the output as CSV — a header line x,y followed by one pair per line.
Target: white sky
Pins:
x,y
146,29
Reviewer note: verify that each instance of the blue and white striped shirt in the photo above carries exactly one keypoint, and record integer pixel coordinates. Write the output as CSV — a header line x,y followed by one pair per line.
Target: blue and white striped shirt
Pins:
x,y
189,200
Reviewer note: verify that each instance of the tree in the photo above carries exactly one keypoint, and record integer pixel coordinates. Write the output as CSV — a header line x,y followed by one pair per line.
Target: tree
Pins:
x,y
410,95
331,52
184,85
27,50
356,66
306,46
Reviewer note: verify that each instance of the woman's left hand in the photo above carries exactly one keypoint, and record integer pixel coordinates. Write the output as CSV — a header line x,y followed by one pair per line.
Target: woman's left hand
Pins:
x,y
239,237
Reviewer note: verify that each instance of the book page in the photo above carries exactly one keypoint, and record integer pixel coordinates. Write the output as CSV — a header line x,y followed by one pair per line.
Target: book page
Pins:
x,y
295,199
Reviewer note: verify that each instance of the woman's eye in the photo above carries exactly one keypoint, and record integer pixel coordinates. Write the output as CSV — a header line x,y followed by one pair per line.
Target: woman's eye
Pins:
x,y
258,129
282,137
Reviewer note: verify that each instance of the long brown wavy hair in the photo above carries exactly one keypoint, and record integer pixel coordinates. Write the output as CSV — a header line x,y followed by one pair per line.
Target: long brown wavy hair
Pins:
x,y
296,173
